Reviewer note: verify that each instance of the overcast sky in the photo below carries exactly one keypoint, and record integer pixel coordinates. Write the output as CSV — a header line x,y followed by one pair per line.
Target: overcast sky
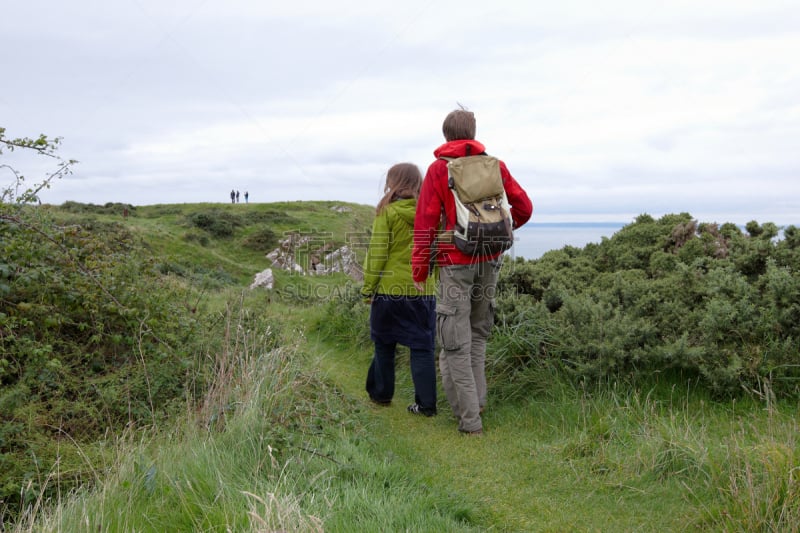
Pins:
x,y
601,110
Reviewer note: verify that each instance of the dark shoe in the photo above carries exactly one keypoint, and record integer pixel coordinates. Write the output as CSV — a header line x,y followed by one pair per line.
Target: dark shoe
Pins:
x,y
415,409
382,403
476,433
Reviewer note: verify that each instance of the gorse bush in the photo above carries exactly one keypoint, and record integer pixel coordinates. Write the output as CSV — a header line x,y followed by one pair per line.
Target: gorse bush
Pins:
x,y
667,294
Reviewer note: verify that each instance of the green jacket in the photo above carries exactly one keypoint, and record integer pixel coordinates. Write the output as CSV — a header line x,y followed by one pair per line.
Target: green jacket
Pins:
x,y
387,267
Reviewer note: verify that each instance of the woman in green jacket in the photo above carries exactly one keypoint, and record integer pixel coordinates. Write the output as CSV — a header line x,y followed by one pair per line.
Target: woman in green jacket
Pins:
x,y
399,313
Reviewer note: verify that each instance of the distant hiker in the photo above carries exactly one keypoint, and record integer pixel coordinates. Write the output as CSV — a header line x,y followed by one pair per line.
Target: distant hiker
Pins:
x,y
467,282
237,197
399,312
246,196
233,196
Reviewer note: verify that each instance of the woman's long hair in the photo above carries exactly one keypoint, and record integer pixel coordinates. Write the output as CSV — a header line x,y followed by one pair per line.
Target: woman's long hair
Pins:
x,y
403,180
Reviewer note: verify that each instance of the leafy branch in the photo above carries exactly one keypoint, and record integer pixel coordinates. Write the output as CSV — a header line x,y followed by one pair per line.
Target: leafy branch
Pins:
x,y
42,145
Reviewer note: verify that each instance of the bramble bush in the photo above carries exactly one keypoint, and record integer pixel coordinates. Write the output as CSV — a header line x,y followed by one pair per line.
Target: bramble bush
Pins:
x,y
92,339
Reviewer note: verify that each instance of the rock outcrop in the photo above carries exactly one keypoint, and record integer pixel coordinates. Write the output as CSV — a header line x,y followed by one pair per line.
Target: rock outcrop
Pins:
x,y
322,259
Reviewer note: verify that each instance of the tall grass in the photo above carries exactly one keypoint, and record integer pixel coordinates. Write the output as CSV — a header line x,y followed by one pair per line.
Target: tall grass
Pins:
x,y
210,470
758,480
736,464
270,447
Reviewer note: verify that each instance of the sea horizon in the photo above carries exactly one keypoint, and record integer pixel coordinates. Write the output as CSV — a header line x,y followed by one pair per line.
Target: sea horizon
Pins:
x,y
535,239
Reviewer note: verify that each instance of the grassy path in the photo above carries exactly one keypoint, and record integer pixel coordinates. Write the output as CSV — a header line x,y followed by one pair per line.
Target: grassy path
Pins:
x,y
517,476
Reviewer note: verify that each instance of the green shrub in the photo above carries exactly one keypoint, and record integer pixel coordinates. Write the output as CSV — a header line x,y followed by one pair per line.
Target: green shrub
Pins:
x,y
199,238
110,208
660,295
218,223
93,339
262,239
269,217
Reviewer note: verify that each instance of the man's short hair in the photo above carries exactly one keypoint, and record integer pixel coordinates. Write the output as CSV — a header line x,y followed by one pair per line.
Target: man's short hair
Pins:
x,y
459,124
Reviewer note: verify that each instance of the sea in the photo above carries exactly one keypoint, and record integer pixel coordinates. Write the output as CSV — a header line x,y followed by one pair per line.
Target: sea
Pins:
x,y
534,239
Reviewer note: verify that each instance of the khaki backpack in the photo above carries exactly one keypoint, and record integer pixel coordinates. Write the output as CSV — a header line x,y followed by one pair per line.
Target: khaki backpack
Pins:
x,y
483,221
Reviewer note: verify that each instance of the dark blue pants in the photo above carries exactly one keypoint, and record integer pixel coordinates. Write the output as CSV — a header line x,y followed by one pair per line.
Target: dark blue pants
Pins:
x,y
380,377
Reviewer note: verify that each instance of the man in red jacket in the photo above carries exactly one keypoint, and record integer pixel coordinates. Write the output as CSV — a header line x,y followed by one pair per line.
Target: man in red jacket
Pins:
x,y
467,283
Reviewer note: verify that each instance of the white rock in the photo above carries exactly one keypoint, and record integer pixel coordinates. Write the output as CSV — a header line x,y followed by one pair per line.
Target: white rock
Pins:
x,y
263,279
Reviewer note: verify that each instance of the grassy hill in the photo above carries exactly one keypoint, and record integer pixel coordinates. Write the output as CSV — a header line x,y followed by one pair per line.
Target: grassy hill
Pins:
x,y
229,238
166,396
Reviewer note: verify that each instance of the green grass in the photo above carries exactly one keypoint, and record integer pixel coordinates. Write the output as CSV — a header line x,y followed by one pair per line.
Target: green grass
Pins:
x,y
167,230
272,448
608,461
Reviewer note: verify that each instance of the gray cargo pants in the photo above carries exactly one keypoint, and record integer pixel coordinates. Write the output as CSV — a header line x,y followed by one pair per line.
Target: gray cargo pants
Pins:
x,y
464,318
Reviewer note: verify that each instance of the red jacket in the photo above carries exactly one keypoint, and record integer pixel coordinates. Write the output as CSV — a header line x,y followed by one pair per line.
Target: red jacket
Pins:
x,y
436,193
